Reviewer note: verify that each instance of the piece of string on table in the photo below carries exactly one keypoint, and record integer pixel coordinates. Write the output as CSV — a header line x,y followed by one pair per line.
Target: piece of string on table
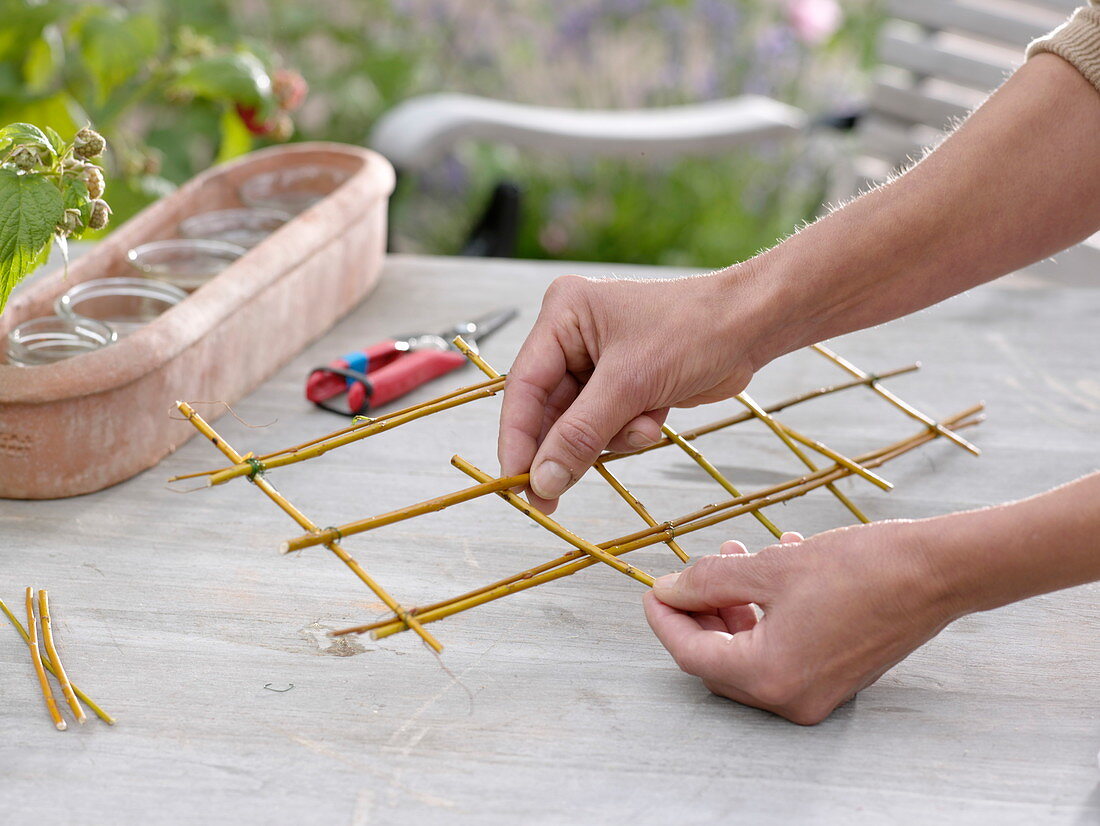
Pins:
x,y
229,408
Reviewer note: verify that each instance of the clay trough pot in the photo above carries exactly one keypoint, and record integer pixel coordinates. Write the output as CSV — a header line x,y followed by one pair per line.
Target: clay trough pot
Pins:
x,y
88,422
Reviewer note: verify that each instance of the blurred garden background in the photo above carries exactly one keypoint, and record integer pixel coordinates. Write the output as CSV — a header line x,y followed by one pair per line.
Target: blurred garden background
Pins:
x,y
178,86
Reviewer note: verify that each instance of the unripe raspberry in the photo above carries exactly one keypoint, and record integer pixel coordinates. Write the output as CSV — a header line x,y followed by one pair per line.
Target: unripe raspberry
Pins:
x,y
71,221
93,179
26,158
101,214
88,143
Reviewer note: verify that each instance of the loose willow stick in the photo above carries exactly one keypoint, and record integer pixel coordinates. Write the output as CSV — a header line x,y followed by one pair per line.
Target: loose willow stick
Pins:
x,y
303,521
721,424
103,715
51,652
359,423
472,354
36,658
900,404
541,518
705,464
782,432
408,512
322,447
573,561
638,508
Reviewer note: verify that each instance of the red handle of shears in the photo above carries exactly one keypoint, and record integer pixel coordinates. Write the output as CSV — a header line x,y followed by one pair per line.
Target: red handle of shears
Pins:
x,y
404,374
322,385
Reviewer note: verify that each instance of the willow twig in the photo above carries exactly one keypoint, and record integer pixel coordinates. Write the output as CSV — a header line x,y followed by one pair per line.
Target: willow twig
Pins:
x,y
285,505
376,426
541,518
900,404
785,435
705,464
359,424
638,507
51,652
407,512
721,424
99,712
36,658
570,563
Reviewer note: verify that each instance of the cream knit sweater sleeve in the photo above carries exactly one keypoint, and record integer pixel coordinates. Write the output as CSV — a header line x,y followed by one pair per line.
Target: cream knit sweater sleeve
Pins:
x,y
1076,41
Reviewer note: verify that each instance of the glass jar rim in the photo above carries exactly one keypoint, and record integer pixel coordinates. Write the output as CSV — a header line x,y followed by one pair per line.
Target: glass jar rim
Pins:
x,y
191,224
36,331
222,248
118,286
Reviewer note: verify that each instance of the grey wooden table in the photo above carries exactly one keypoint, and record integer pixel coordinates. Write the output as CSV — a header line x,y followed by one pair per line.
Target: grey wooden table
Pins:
x,y
178,614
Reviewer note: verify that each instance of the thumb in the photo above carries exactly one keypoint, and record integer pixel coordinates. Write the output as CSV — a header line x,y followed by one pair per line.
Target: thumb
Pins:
x,y
574,442
715,582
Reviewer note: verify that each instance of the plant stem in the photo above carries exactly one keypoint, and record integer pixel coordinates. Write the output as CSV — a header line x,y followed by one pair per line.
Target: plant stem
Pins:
x,y
36,658
103,715
285,505
51,652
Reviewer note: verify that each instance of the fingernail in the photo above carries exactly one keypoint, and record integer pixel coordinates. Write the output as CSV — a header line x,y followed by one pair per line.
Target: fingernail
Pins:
x,y
666,582
550,480
637,440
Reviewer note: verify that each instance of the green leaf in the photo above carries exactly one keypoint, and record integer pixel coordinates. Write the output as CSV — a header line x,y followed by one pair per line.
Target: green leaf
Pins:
x,y
25,134
236,139
116,46
239,77
55,140
74,195
30,207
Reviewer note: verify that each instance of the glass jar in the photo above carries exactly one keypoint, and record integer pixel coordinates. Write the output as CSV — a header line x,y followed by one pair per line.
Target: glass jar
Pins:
x,y
243,227
294,189
52,338
123,304
188,263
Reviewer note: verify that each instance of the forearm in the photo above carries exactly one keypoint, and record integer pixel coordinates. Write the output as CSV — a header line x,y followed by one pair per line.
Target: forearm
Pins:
x,y
988,558
1019,181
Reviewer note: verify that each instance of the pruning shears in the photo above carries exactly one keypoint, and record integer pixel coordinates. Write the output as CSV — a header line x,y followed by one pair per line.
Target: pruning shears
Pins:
x,y
391,368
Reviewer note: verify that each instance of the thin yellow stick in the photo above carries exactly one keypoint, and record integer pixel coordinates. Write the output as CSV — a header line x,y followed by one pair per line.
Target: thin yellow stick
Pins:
x,y
408,512
36,658
638,507
705,464
359,423
51,652
900,404
103,715
285,505
782,433
472,354
320,448
541,518
574,561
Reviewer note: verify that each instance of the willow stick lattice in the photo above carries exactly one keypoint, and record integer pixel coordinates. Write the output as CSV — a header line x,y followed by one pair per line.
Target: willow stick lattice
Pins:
x,y
583,553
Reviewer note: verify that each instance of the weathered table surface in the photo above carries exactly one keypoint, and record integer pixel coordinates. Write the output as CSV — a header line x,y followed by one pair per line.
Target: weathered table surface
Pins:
x,y
177,613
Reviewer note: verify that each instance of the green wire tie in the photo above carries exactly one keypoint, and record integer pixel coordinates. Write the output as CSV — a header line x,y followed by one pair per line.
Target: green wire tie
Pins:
x,y
257,467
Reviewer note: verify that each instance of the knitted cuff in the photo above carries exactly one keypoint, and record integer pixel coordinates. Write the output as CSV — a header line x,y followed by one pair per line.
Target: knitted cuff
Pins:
x,y
1076,41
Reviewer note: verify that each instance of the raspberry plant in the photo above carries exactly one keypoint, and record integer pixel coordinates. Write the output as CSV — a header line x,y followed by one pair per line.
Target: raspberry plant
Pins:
x,y
50,190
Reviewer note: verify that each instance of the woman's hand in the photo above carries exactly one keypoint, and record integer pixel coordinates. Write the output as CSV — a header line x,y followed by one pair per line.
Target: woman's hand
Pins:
x,y
839,610
605,361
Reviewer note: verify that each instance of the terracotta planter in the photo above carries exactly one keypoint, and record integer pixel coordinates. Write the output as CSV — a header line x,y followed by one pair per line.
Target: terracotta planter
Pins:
x,y
94,420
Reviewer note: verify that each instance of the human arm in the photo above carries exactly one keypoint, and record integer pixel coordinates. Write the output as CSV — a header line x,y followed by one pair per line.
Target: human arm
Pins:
x,y
606,359
843,607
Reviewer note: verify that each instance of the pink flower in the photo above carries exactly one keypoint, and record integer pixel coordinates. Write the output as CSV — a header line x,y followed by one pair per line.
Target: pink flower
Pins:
x,y
814,20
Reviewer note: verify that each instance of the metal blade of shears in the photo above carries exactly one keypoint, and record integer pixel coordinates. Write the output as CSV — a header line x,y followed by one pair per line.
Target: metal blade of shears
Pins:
x,y
477,329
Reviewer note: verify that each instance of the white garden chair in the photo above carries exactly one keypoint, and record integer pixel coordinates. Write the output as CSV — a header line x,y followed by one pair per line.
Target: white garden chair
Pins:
x,y
939,58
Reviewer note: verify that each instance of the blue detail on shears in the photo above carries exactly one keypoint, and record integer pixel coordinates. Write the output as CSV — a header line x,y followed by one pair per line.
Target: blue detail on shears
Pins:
x,y
359,362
